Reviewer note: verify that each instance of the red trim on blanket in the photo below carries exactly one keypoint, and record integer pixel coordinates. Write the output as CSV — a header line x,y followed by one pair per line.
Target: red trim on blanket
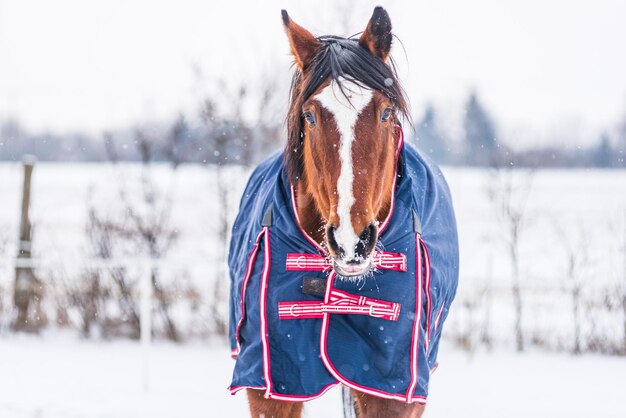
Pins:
x,y
263,302
295,398
335,373
382,260
299,398
409,397
416,323
339,303
251,259
429,299
235,389
264,336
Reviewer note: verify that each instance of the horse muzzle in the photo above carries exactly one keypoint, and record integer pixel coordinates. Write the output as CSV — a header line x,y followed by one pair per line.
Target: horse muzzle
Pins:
x,y
353,269
357,261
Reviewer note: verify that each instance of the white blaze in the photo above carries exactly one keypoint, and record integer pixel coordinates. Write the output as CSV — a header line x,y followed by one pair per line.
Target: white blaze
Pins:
x,y
346,112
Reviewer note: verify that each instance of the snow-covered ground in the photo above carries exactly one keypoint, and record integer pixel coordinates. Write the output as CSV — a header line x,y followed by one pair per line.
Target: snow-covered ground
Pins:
x,y
562,205
69,378
59,375
579,214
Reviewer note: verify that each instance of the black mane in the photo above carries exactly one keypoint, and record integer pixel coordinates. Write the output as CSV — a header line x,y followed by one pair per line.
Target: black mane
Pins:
x,y
340,59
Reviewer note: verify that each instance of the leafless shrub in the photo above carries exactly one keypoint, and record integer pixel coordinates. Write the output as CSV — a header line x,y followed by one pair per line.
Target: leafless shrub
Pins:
x,y
508,191
138,225
600,309
473,309
4,306
622,290
577,257
234,138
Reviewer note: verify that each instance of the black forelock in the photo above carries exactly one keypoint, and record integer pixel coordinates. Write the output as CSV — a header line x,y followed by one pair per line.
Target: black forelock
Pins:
x,y
346,58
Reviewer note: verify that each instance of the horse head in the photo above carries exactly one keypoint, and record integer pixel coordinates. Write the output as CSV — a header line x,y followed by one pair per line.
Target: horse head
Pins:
x,y
343,138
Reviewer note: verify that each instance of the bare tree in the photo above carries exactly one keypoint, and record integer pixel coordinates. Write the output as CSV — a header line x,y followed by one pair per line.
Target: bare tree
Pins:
x,y
232,138
103,231
152,228
577,256
3,255
487,300
140,223
508,191
219,137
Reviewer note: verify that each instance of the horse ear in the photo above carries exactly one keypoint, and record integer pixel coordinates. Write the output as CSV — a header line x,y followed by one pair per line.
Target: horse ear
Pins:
x,y
377,35
303,44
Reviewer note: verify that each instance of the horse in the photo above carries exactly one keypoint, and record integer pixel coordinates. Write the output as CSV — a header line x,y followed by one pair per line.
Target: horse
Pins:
x,y
344,254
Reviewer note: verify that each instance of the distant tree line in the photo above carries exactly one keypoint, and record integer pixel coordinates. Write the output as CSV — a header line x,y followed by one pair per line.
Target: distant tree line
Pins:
x,y
211,137
480,144
222,141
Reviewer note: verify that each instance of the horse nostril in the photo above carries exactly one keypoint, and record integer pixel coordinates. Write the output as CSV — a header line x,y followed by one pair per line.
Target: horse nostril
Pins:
x,y
366,234
332,241
367,241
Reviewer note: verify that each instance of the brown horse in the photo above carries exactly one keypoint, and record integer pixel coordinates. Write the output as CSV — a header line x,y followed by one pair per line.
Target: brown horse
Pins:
x,y
340,156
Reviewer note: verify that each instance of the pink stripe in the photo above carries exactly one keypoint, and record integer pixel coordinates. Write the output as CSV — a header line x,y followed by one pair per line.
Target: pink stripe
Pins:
x,y
409,398
244,285
264,337
263,302
416,324
337,295
281,397
390,261
340,303
307,262
331,369
429,301
315,262
299,398
344,310
235,389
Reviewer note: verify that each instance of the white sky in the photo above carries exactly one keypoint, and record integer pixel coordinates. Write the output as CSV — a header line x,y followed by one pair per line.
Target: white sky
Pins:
x,y
548,70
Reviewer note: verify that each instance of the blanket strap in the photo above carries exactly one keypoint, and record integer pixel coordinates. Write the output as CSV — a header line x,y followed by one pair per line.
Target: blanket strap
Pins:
x,y
382,260
267,217
340,303
417,224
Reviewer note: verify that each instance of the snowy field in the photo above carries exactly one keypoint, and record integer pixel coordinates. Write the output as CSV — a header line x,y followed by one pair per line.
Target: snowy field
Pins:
x,y
577,215
563,205
578,212
67,378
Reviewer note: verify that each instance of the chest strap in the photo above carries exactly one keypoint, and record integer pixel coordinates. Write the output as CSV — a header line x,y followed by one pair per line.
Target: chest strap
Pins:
x,y
340,303
382,260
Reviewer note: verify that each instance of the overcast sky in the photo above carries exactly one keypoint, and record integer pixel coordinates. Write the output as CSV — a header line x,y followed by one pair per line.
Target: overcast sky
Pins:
x,y
547,70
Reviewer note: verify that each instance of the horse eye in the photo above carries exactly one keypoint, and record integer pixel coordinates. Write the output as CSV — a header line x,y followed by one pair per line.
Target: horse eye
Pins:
x,y
310,118
386,114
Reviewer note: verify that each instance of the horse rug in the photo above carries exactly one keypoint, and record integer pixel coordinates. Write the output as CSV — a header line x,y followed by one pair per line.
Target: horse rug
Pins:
x,y
297,328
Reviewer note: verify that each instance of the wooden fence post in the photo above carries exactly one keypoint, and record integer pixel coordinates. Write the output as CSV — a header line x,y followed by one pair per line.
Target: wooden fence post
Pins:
x,y
27,291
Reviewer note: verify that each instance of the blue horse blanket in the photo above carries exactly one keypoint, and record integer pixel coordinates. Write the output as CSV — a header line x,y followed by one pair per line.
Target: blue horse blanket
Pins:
x,y
378,334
